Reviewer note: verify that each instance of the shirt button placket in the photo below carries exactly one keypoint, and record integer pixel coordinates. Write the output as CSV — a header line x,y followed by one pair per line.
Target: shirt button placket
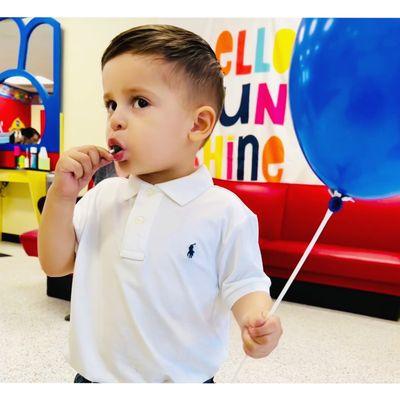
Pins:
x,y
138,227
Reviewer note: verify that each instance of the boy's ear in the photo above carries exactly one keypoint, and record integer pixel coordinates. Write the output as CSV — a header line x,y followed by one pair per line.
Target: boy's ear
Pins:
x,y
204,121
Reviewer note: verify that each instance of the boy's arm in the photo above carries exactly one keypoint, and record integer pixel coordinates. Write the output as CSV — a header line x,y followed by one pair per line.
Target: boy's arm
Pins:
x,y
56,239
251,307
244,286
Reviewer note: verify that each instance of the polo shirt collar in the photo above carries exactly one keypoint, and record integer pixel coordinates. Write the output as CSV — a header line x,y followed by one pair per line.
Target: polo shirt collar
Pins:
x,y
181,190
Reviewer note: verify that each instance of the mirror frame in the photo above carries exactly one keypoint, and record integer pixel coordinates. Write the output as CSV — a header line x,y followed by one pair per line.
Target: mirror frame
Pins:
x,y
51,102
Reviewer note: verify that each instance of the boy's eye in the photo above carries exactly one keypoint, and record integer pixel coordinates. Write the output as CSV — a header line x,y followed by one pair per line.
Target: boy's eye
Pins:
x,y
111,105
139,102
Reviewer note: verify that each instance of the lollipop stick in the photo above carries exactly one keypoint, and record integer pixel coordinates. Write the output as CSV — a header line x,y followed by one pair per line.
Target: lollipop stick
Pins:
x,y
115,149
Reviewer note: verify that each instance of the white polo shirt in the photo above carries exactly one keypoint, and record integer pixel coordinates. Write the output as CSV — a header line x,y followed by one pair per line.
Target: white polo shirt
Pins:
x,y
157,270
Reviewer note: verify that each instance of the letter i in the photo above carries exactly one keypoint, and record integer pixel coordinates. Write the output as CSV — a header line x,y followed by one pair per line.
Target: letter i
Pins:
x,y
229,160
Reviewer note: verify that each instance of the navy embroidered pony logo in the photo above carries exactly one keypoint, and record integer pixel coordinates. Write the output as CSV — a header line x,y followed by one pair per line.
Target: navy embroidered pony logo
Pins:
x,y
191,251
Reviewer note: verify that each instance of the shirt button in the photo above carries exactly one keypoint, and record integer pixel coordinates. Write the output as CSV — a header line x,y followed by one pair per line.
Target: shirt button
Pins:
x,y
139,220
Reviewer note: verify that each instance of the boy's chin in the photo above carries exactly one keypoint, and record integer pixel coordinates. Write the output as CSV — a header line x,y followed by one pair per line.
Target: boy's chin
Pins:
x,y
123,168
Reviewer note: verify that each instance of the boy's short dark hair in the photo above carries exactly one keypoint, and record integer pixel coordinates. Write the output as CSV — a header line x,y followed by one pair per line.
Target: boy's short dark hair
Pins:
x,y
188,51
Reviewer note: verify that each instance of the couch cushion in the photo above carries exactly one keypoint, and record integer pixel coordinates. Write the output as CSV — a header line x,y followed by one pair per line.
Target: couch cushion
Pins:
x,y
266,200
356,265
370,224
364,223
29,242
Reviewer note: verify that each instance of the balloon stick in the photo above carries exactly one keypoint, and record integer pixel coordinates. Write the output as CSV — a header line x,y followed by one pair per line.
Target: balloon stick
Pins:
x,y
292,277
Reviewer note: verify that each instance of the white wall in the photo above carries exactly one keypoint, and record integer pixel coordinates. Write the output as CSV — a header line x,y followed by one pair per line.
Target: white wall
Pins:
x,y
84,41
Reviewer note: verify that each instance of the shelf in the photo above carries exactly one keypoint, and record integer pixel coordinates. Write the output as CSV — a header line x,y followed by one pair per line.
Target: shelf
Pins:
x,y
35,179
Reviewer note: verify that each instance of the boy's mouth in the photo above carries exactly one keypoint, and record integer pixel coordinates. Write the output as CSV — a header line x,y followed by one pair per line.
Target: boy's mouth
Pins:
x,y
115,149
120,155
118,152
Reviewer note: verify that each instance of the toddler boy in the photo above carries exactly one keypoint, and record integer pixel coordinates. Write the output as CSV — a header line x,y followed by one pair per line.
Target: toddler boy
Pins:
x,y
161,258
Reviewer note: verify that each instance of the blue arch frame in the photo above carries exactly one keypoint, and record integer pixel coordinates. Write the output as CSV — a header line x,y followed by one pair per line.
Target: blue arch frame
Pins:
x,y
51,102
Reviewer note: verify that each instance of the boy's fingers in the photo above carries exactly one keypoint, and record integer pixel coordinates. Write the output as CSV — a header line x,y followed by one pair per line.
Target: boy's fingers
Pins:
x,y
76,168
86,163
257,320
99,157
252,348
263,340
105,154
95,157
248,342
271,325
260,331
260,338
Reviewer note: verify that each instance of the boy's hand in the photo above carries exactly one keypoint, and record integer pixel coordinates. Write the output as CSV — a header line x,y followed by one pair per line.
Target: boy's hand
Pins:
x,y
76,167
261,335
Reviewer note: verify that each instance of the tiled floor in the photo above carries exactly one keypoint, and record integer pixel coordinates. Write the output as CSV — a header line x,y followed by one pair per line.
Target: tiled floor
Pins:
x,y
318,345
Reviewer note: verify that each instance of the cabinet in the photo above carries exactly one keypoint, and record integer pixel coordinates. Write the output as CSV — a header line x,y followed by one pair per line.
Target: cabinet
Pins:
x,y
36,181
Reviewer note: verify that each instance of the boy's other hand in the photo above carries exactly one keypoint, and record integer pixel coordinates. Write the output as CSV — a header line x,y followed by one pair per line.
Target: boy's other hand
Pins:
x,y
76,167
261,335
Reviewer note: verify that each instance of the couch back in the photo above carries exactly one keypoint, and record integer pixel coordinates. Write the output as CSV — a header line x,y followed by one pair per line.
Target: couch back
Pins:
x,y
294,212
267,201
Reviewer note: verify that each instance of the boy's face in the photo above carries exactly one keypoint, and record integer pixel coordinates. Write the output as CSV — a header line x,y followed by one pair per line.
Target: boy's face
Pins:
x,y
146,117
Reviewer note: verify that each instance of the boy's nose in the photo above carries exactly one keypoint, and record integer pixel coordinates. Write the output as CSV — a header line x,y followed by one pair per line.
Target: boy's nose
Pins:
x,y
118,126
117,123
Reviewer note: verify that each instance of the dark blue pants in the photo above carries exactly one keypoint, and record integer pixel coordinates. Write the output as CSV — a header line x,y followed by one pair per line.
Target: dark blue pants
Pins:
x,y
81,379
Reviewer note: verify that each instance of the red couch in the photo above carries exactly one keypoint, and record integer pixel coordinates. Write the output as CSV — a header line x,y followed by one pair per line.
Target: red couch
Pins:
x,y
359,248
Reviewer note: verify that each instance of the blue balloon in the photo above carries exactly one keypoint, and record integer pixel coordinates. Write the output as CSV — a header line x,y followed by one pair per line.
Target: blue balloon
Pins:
x,y
344,90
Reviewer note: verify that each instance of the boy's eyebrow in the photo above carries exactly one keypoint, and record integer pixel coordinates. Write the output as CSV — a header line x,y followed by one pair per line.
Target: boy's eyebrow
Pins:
x,y
133,90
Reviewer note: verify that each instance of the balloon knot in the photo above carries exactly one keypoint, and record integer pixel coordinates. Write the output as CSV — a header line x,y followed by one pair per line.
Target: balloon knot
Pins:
x,y
335,204
337,199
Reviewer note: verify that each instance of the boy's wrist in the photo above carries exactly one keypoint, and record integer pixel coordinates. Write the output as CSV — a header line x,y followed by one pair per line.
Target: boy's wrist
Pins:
x,y
56,195
250,307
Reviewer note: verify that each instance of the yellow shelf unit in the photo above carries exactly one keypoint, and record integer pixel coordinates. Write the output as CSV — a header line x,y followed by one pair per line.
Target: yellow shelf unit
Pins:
x,y
36,180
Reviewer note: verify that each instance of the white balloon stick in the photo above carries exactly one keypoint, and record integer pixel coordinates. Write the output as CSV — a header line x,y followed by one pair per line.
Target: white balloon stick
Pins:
x,y
292,277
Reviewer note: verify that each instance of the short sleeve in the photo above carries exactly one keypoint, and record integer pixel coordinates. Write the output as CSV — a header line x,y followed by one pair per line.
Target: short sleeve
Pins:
x,y
240,266
81,211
